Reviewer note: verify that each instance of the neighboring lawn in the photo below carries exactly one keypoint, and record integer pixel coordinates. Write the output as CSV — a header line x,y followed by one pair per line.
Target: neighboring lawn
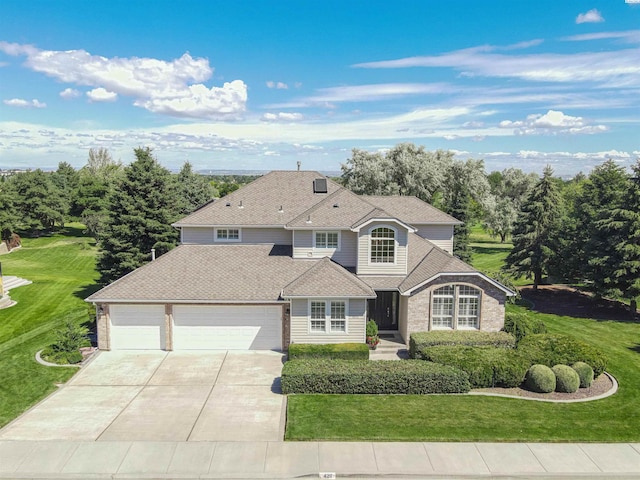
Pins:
x,y
476,418
62,268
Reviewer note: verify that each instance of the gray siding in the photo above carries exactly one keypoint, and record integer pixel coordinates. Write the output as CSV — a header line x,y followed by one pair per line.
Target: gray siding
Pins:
x,y
439,235
197,235
397,268
345,256
205,236
356,319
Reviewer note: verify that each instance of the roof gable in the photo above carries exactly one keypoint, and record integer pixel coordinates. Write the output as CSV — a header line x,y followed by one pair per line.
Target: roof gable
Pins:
x,y
327,279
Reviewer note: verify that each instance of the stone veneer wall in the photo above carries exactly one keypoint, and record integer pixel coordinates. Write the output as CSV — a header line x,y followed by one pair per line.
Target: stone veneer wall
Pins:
x,y
102,327
491,304
286,326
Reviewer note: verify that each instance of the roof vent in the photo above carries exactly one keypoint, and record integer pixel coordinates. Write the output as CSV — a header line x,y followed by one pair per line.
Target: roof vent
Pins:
x,y
228,204
240,206
335,205
308,218
281,210
320,185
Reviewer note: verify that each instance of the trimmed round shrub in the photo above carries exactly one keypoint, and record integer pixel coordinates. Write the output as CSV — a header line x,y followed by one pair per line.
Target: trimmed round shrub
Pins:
x,y
552,349
585,372
520,325
567,379
541,379
486,366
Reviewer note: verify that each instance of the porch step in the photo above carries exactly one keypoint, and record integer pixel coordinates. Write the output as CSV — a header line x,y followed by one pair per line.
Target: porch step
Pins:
x,y
9,282
390,348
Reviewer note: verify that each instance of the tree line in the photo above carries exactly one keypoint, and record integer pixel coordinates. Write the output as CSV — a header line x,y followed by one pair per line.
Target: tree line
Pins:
x,y
584,231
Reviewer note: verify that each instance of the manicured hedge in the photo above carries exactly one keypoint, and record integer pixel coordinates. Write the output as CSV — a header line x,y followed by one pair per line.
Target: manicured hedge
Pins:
x,y
421,340
551,349
486,366
585,372
520,325
379,377
344,351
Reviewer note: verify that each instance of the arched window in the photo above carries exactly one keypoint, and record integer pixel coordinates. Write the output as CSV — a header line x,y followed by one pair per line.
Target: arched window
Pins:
x,y
456,306
383,245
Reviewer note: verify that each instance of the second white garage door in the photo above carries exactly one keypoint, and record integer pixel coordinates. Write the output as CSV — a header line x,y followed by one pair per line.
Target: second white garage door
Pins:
x,y
224,327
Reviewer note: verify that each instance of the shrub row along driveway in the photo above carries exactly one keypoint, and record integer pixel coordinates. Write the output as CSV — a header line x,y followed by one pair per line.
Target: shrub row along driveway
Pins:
x,y
163,396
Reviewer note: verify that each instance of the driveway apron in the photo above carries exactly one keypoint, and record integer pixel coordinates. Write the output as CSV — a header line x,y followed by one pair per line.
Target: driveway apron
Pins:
x,y
163,396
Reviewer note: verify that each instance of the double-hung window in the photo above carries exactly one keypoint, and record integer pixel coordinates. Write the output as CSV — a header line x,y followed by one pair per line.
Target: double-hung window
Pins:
x,y
327,240
328,316
456,306
227,234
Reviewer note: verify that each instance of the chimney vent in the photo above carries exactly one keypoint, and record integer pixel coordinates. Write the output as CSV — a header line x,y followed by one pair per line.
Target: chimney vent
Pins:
x,y
240,206
153,254
299,164
308,218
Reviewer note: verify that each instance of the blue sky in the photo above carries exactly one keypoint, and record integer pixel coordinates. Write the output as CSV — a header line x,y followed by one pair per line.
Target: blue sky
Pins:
x,y
259,85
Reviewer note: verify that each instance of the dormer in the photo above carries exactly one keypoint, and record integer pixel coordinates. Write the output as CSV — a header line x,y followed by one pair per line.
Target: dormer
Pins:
x,y
382,245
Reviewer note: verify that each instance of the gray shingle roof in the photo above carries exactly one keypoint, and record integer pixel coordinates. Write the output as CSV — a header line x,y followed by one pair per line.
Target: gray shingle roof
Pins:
x,y
411,210
341,209
426,260
259,202
328,279
199,273
231,273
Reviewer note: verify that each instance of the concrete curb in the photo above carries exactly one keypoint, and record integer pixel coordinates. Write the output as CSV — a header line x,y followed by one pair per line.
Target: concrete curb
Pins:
x,y
611,391
41,361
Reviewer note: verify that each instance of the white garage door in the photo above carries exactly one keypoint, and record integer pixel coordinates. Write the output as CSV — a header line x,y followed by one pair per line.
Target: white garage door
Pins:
x,y
227,327
137,327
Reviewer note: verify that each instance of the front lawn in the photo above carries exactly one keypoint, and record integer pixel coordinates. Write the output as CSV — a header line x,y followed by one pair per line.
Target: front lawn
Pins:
x,y
476,418
62,268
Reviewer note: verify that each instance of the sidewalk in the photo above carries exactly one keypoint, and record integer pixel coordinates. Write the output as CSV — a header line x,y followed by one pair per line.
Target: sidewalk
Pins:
x,y
184,460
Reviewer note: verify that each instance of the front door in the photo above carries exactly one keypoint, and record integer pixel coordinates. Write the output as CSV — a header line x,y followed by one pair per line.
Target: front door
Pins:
x,y
384,310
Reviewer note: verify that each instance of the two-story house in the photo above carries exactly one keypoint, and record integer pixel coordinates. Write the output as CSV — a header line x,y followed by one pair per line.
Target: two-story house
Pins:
x,y
293,257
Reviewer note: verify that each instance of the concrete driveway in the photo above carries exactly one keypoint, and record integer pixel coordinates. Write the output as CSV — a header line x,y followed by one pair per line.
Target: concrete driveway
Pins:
x,y
163,396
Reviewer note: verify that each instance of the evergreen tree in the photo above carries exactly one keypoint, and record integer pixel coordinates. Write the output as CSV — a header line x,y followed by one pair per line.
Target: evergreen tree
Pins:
x,y
602,193
37,201
193,190
142,208
8,219
66,179
622,226
535,229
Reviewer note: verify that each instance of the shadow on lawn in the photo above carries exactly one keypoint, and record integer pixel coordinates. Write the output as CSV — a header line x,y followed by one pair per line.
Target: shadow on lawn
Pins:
x,y
635,348
568,301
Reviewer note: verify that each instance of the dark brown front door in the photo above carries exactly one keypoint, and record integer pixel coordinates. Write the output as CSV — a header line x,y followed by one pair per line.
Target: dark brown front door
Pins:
x,y
384,310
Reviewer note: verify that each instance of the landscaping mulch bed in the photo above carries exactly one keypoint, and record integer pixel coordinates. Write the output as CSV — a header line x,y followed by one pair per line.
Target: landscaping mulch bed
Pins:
x,y
601,385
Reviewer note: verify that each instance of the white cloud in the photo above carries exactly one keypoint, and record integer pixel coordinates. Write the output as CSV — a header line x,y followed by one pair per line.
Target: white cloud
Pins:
x,y
592,16
366,93
69,93
628,36
282,117
102,95
551,123
277,85
173,88
619,67
21,103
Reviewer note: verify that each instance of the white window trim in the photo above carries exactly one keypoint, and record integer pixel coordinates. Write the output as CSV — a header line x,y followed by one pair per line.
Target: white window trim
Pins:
x,y
327,249
456,296
227,240
395,245
327,316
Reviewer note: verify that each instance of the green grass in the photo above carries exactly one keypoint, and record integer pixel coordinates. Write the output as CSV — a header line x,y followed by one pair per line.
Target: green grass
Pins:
x,y
62,269
476,418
